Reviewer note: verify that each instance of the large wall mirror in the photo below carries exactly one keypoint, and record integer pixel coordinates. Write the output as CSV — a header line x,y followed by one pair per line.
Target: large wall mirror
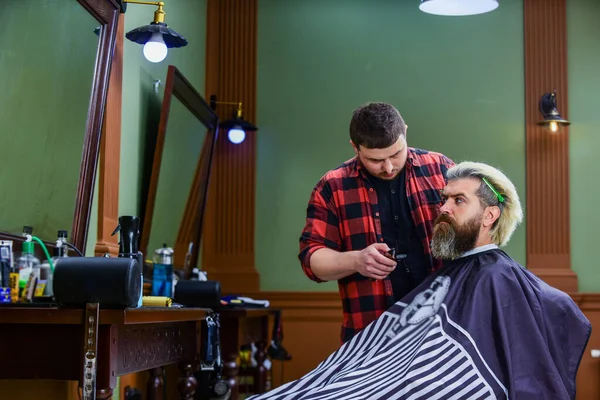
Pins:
x,y
55,58
185,144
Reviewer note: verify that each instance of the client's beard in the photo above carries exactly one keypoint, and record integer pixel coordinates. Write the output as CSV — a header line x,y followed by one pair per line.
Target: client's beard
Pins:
x,y
451,240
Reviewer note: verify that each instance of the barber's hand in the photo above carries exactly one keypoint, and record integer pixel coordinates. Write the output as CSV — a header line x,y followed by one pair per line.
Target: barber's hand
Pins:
x,y
371,263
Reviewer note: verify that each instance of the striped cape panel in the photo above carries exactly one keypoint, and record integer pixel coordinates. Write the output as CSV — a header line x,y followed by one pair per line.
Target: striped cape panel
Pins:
x,y
411,352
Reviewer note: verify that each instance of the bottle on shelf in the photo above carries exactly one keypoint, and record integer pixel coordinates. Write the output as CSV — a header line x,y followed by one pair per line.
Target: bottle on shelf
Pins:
x,y
44,287
162,272
28,267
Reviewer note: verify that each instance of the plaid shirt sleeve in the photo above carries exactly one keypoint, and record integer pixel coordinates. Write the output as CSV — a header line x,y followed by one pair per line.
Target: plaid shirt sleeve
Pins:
x,y
445,165
321,228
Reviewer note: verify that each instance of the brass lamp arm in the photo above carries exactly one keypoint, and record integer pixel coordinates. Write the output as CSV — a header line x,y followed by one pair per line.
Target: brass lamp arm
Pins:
x,y
233,103
159,15
238,104
149,3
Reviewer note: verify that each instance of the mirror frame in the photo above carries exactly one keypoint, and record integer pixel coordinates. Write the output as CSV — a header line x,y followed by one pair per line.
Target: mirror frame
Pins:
x,y
190,229
106,12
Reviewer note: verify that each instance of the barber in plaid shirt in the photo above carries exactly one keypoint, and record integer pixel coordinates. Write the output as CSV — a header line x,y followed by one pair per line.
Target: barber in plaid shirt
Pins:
x,y
388,196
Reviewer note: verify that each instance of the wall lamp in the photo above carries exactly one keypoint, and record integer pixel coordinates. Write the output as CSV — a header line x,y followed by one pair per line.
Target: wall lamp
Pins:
x,y
457,7
552,119
236,126
157,36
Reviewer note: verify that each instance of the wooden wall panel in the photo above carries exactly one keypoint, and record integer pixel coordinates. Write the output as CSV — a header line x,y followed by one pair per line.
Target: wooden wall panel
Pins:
x,y
228,235
547,154
588,377
311,329
110,154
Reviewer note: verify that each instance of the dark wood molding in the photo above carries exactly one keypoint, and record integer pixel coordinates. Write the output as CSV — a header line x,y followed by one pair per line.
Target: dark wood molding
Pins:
x,y
110,154
228,244
107,13
587,301
547,154
588,385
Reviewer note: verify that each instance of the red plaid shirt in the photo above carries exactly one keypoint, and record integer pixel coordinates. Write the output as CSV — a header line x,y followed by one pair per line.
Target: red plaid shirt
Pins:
x,y
343,215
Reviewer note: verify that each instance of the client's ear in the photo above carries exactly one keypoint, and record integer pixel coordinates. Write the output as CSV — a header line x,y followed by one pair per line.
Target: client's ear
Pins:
x,y
490,215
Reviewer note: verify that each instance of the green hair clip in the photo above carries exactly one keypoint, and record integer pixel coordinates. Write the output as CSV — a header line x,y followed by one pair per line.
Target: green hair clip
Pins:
x,y
498,195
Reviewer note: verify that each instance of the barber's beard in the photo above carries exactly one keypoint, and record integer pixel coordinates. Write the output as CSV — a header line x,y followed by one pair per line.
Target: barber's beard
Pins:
x,y
450,240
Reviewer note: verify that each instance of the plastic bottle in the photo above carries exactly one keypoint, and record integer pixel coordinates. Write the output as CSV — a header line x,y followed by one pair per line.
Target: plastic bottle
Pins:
x,y
61,250
162,274
27,264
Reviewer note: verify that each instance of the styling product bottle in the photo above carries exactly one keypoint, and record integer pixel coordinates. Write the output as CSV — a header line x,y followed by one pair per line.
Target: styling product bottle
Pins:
x,y
44,287
28,266
162,272
6,266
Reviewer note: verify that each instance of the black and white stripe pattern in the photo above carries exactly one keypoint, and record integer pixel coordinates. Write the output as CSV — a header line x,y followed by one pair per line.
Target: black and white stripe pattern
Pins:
x,y
400,357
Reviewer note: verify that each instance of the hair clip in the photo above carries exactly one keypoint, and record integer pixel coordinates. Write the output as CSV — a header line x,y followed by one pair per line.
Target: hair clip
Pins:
x,y
498,195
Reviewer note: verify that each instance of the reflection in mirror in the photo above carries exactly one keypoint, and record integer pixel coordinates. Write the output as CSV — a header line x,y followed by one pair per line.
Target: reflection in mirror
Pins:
x,y
47,58
185,143
184,138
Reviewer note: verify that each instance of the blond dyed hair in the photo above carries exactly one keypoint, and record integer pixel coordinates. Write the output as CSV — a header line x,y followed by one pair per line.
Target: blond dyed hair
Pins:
x,y
511,214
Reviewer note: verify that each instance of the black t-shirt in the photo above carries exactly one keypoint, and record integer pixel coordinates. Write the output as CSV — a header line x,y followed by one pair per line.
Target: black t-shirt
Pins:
x,y
399,232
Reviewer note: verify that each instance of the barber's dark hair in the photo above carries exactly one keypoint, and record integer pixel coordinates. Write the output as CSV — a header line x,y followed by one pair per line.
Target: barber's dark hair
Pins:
x,y
376,126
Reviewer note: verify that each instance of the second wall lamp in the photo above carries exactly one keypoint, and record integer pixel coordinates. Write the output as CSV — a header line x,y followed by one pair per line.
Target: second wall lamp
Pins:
x,y
156,37
237,126
552,118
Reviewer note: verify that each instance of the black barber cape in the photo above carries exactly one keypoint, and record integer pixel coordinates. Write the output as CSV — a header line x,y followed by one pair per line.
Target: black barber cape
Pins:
x,y
481,327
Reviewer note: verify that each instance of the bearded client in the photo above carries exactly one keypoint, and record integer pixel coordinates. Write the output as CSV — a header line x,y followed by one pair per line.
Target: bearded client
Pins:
x,y
480,327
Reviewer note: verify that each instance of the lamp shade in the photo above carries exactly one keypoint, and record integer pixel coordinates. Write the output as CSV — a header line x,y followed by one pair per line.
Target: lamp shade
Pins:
x,y
458,7
143,34
552,117
238,123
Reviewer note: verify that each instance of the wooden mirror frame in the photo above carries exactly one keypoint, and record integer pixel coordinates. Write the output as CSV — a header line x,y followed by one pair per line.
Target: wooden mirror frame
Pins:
x,y
106,12
190,229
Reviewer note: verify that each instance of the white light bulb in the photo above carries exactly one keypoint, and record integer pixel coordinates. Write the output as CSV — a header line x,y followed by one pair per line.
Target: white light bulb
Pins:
x,y
553,126
155,49
236,135
457,7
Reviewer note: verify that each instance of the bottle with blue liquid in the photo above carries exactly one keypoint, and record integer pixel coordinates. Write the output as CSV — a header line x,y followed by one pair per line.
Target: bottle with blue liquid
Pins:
x,y
162,275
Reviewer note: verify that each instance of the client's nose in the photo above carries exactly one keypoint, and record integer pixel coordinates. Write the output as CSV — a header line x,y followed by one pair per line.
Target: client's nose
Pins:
x,y
445,208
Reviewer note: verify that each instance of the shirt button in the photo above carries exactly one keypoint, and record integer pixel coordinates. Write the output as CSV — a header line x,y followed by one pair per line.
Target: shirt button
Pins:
x,y
377,214
370,189
381,240
393,191
395,217
389,292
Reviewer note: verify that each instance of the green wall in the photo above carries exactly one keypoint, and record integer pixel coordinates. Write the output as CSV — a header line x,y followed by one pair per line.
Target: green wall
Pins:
x,y
44,105
584,86
458,82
